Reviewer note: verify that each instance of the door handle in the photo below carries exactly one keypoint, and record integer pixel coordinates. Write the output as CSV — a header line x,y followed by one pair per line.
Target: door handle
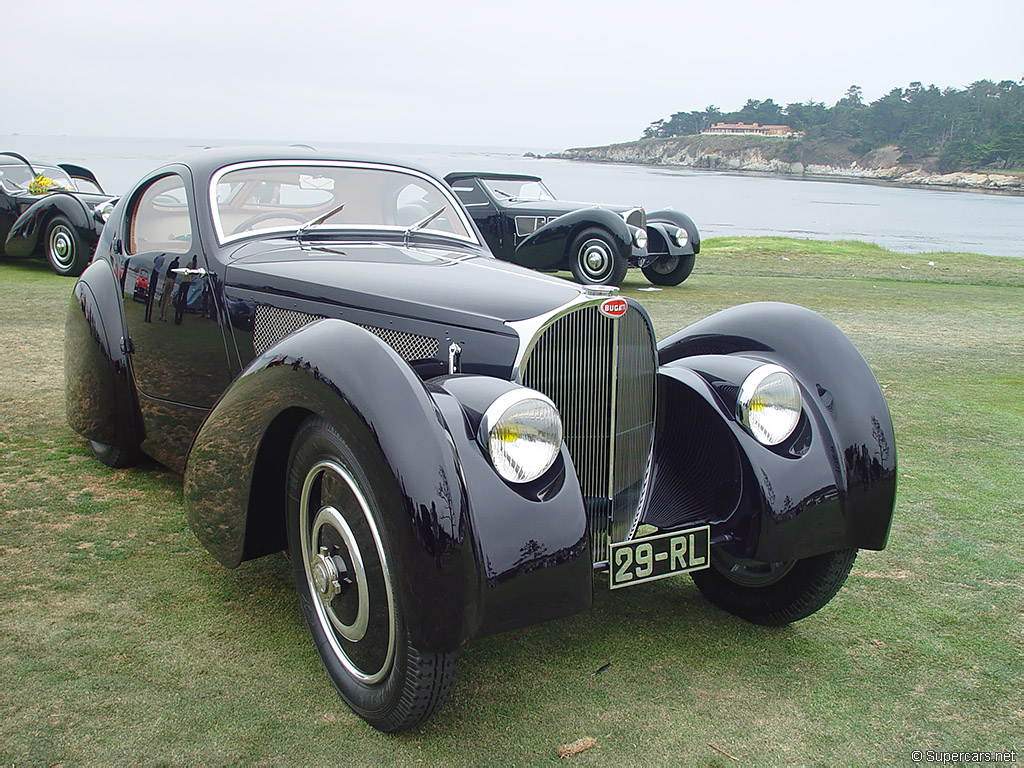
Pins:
x,y
199,272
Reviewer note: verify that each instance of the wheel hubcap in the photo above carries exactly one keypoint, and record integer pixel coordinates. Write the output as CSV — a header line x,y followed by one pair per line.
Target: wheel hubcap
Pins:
x,y
347,572
595,258
749,573
62,245
666,264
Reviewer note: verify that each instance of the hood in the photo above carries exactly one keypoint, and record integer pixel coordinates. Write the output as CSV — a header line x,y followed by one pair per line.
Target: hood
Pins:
x,y
555,207
459,288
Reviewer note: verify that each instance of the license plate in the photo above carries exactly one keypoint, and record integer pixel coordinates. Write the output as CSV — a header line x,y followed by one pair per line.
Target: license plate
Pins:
x,y
656,557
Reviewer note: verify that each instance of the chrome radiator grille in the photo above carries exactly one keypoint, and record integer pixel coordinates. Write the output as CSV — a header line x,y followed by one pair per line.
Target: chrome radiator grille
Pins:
x,y
273,323
600,372
637,217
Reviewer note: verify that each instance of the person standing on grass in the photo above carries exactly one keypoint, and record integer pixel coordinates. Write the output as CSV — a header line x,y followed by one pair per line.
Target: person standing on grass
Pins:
x,y
154,278
182,302
169,278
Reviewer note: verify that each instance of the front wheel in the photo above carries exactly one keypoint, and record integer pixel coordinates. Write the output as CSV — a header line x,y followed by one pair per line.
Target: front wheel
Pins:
x,y
115,456
345,574
775,593
64,248
669,270
594,259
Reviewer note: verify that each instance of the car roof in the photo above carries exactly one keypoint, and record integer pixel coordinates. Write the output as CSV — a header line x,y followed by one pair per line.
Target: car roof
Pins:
x,y
456,175
206,162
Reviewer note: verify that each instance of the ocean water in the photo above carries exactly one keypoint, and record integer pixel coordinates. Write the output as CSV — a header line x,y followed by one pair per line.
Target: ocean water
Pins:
x,y
906,220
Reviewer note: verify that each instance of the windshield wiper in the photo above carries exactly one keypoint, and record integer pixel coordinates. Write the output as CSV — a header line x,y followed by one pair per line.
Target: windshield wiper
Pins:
x,y
316,222
422,223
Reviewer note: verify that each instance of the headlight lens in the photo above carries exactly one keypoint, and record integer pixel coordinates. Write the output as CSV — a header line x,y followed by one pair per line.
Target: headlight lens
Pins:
x,y
523,434
769,404
681,237
640,238
103,210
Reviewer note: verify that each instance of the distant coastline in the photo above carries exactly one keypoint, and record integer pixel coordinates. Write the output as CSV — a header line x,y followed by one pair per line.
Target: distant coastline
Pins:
x,y
788,157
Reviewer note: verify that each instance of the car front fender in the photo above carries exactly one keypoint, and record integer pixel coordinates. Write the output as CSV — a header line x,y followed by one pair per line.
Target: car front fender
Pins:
x,y
831,485
548,246
235,478
676,219
23,239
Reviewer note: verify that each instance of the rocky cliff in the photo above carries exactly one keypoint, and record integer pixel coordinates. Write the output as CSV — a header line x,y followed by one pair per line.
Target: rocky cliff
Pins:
x,y
793,157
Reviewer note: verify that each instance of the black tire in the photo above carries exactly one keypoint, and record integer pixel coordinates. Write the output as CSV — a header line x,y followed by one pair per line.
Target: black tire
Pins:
x,y
669,270
773,594
594,259
115,456
346,577
64,248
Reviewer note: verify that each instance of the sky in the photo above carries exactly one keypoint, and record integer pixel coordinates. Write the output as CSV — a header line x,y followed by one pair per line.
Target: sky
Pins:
x,y
537,74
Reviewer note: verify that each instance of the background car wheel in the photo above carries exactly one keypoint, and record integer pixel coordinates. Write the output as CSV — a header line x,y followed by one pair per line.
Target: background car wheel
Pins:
x,y
595,260
669,270
773,593
345,575
115,456
64,248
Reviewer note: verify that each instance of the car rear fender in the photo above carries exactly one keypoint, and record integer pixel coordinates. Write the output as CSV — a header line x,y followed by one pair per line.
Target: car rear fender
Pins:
x,y
27,232
833,483
548,247
102,403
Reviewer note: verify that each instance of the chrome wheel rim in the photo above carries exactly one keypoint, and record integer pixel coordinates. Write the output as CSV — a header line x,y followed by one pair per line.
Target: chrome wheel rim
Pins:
x,y
62,246
665,265
347,572
749,573
595,259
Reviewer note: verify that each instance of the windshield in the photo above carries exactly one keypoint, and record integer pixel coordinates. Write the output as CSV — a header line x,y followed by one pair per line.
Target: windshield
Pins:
x,y
282,196
18,176
518,189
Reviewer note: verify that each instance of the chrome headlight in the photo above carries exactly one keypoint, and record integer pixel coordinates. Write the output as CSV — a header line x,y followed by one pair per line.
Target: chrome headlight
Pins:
x,y
103,211
769,404
522,432
681,237
640,238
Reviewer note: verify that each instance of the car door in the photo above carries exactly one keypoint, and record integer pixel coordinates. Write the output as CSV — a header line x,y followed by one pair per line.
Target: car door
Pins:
x,y
178,352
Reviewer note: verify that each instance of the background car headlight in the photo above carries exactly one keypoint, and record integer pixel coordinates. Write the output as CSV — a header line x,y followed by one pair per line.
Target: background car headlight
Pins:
x,y
523,434
681,237
769,404
103,211
640,238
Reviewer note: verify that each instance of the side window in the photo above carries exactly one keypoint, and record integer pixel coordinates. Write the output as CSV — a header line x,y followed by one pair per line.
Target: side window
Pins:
x,y
469,192
160,220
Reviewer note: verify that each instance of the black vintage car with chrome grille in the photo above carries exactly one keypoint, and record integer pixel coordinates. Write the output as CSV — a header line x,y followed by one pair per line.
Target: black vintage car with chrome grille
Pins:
x,y
522,222
448,445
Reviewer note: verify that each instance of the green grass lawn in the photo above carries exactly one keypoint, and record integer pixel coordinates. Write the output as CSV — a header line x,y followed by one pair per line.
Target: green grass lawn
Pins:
x,y
124,642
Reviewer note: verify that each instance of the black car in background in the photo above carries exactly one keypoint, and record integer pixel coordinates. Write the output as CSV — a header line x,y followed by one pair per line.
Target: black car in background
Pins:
x,y
449,445
56,211
522,222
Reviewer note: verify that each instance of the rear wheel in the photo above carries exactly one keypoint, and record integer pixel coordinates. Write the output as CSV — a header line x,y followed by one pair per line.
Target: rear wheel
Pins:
x,y
345,574
594,259
669,270
773,593
64,248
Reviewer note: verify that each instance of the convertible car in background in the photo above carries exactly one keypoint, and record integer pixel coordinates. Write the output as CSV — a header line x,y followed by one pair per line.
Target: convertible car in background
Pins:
x,y
449,445
523,223
56,211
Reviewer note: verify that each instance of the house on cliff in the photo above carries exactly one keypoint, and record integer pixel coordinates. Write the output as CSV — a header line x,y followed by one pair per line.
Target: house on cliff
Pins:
x,y
752,129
